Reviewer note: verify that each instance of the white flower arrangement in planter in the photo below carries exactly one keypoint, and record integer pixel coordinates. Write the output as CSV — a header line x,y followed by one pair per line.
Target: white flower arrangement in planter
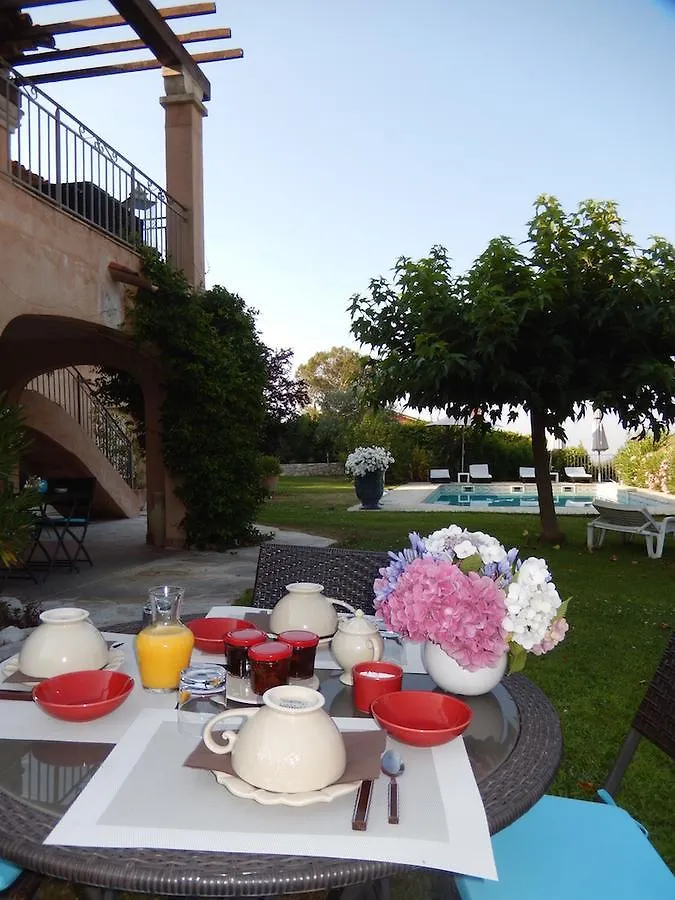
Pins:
x,y
368,459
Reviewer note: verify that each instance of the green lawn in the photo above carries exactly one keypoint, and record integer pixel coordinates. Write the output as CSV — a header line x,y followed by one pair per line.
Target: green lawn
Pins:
x,y
620,615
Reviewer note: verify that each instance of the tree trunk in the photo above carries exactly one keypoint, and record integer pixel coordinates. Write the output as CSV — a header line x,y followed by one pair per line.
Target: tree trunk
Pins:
x,y
550,531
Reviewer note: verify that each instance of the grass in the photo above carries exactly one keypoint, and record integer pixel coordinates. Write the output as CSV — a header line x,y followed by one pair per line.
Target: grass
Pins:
x,y
620,620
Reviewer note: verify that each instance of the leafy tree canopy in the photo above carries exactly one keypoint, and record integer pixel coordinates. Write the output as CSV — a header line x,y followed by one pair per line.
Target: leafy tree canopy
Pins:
x,y
579,313
284,396
330,372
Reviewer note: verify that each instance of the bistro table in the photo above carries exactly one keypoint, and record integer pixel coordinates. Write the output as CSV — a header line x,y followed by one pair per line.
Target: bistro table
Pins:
x,y
513,743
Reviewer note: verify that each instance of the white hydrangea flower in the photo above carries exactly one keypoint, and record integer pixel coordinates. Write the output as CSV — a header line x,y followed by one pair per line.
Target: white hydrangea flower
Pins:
x,y
455,542
368,459
532,603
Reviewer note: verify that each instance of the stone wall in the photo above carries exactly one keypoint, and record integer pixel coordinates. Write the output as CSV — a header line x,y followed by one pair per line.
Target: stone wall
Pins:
x,y
312,469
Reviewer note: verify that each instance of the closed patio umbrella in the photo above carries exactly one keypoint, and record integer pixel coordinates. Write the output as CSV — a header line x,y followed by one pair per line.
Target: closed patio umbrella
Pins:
x,y
599,442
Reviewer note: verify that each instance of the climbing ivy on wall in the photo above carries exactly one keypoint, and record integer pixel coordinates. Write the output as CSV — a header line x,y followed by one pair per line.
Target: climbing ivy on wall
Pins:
x,y
214,375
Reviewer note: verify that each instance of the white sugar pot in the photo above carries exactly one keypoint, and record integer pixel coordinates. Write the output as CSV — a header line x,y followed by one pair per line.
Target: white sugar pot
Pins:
x,y
357,640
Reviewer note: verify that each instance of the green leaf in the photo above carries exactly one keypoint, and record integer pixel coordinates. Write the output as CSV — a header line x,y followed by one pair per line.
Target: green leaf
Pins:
x,y
471,564
517,658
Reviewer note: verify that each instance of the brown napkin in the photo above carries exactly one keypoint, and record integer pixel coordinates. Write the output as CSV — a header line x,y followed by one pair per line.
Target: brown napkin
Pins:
x,y
260,620
364,749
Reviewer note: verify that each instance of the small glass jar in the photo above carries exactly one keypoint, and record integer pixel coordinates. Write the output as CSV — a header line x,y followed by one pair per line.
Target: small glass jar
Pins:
x,y
304,644
237,644
270,665
201,693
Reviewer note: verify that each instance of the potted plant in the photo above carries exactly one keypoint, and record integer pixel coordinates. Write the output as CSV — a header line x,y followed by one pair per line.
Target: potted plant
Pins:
x,y
368,465
476,606
271,470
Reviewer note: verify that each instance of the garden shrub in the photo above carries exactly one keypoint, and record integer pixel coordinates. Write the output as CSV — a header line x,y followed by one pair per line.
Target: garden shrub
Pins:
x,y
647,463
215,372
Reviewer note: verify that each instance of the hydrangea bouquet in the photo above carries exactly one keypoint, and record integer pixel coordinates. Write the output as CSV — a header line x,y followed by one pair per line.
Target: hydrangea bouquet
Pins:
x,y
368,459
465,592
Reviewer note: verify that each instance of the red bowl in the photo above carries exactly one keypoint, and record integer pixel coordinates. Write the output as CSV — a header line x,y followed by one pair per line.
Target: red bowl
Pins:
x,y
421,718
209,633
82,696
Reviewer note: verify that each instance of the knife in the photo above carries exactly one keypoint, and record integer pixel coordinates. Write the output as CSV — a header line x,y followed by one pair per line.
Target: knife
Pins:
x,y
362,806
16,691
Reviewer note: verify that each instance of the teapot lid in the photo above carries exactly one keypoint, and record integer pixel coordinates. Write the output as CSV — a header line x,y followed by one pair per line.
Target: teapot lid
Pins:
x,y
357,624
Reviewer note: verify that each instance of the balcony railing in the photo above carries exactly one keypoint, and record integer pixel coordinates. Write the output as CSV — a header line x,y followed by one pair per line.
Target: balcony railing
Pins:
x,y
50,152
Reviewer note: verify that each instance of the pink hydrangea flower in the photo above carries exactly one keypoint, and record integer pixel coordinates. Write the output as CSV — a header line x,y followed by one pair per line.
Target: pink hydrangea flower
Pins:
x,y
554,634
434,600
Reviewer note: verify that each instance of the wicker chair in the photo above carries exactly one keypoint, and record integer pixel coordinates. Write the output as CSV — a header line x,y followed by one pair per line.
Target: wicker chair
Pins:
x,y
345,574
564,848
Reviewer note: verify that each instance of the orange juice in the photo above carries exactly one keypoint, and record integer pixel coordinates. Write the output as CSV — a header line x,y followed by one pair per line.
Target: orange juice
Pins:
x,y
163,651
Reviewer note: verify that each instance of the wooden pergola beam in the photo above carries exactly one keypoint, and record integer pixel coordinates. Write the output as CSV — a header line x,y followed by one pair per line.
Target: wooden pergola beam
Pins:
x,y
169,12
122,68
125,275
190,37
158,37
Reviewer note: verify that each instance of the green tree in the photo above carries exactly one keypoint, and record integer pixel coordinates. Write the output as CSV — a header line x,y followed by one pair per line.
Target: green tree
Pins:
x,y
16,519
284,395
215,372
582,313
330,373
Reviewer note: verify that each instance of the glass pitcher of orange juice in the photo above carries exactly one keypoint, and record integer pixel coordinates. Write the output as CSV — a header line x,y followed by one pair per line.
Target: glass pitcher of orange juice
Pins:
x,y
164,647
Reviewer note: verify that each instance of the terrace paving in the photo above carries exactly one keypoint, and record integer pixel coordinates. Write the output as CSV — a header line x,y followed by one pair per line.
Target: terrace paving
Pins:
x,y
114,589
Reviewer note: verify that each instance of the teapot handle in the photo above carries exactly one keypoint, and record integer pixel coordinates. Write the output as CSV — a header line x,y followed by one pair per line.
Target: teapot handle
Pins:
x,y
376,648
341,603
229,736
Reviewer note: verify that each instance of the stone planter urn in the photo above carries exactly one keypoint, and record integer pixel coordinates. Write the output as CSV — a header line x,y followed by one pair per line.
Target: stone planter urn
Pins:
x,y
369,489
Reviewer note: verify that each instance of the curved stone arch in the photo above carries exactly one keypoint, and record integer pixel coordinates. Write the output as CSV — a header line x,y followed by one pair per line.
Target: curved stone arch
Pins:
x,y
33,344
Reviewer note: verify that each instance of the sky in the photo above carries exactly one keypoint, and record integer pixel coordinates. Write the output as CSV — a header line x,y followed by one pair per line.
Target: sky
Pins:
x,y
353,133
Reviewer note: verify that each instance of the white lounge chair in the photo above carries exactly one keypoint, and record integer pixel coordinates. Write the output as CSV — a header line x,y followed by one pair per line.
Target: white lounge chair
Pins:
x,y
577,473
479,472
629,520
526,473
442,475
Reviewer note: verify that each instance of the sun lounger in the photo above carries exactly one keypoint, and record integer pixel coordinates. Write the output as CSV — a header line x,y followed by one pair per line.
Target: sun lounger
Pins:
x,y
526,473
629,520
479,472
441,475
577,473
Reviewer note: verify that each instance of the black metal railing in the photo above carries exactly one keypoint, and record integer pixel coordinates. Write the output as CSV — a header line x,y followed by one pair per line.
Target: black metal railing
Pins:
x,y
71,391
54,155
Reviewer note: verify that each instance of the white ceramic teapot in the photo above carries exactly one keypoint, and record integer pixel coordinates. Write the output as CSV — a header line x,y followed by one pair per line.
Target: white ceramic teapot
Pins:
x,y
66,641
305,608
289,745
357,640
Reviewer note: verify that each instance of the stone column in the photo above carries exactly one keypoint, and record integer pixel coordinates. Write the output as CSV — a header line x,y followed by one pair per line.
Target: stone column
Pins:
x,y
164,509
184,112
10,116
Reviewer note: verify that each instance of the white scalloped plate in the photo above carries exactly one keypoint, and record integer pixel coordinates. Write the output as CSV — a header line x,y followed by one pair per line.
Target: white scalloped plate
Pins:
x,y
10,666
269,798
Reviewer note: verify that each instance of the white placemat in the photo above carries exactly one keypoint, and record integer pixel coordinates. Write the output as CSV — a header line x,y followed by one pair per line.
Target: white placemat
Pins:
x,y
142,796
409,655
27,721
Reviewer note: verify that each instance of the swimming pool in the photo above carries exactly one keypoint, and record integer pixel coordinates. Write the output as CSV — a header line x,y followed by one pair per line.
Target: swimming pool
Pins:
x,y
448,495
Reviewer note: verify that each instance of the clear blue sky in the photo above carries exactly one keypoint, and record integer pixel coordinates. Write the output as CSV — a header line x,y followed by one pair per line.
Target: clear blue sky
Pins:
x,y
354,132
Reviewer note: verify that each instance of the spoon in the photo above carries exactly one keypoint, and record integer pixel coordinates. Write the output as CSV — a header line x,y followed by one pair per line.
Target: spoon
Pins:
x,y
393,766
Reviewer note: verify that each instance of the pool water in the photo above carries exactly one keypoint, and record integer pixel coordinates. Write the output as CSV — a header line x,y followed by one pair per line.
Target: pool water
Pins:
x,y
450,497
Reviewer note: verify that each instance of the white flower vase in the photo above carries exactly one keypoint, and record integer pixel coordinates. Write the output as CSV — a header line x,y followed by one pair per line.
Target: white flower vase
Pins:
x,y
455,679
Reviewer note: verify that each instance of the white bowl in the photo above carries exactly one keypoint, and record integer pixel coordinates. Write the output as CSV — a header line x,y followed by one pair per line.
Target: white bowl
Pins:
x,y
66,641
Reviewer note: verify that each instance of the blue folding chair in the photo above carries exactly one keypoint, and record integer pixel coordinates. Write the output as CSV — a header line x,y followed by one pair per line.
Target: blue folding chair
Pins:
x,y
583,850
8,874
